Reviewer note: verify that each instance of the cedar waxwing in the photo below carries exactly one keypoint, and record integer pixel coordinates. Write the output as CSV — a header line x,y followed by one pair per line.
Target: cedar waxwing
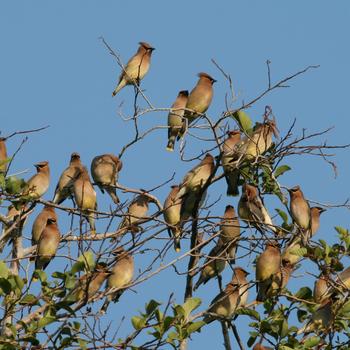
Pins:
x,y
343,279
322,288
300,212
85,196
251,208
200,97
64,188
40,222
261,347
214,264
267,265
315,219
230,231
38,184
175,118
89,284
231,298
3,156
172,210
136,68
278,281
290,250
230,158
320,321
260,140
137,210
121,275
188,204
48,244
196,178
105,170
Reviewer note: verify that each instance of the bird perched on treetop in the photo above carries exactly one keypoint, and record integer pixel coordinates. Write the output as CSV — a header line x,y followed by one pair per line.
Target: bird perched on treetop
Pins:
x,y
231,298
40,222
230,159
199,100
175,118
39,183
105,170
172,215
64,188
136,68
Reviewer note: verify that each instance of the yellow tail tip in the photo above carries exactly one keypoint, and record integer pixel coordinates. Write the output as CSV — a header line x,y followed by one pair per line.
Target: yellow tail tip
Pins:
x,y
177,249
170,149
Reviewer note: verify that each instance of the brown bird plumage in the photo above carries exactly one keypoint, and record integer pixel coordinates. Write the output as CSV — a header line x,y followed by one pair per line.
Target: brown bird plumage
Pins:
x,y
260,140
3,156
40,222
105,170
175,118
252,210
230,231
137,211
38,184
231,298
196,178
300,211
48,244
322,288
172,215
230,159
64,188
121,275
136,68
85,196
214,264
261,347
199,100
315,219
267,265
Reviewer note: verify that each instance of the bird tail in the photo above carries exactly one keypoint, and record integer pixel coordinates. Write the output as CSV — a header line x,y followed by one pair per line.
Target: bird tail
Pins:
x,y
199,282
121,84
171,143
113,193
232,183
177,245
105,306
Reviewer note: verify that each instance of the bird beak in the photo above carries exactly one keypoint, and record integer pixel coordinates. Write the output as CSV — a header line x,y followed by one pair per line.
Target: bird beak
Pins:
x,y
214,81
152,48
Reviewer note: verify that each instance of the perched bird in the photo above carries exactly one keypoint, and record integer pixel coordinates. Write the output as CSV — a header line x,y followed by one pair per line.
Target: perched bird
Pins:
x,y
267,265
38,184
322,288
172,210
85,196
230,159
137,211
200,97
48,244
188,205
251,208
230,231
40,222
136,68
260,140
88,284
213,266
315,219
3,156
231,298
261,347
105,170
320,320
278,281
197,177
64,188
300,211
121,275
175,118
343,279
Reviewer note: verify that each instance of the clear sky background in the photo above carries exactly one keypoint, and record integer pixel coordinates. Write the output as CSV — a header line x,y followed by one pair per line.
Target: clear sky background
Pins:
x,y
55,71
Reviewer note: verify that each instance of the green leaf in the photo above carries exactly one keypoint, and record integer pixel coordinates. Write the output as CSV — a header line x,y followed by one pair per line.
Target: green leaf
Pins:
x,y
190,305
283,215
248,312
284,328
252,338
46,320
4,271
195,326
86,261
151,307
304,293
345,309
302,315
281,170
28,299
41,275
298,251
243,120
179,311
14,185
5,286
76,325
138,322
82,343
311,342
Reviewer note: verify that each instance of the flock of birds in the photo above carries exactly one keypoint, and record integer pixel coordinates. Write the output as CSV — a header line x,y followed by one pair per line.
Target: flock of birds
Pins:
x,y
273,266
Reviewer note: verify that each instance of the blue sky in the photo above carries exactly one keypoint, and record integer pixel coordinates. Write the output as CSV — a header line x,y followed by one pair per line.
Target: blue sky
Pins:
x,y
55,71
